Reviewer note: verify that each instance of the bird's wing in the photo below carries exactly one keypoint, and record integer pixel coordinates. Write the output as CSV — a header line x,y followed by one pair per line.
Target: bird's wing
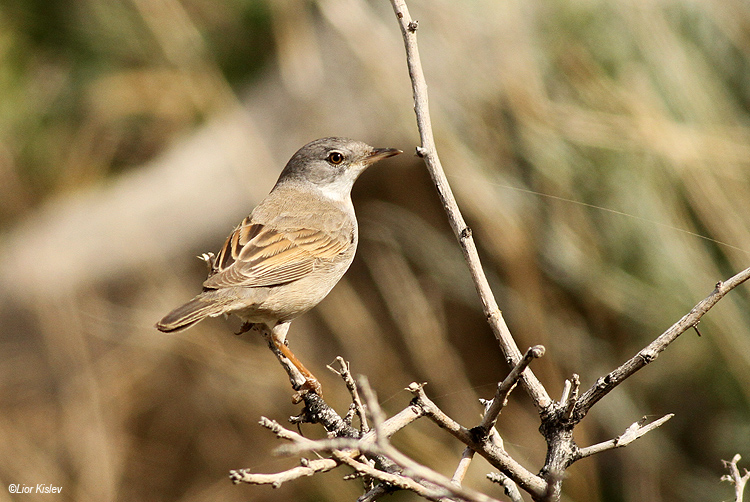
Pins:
x,y
258,255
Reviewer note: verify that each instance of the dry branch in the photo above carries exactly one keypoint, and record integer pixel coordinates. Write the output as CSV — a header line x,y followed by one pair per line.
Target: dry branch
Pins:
x,y
495,405
738,480
368,451
606,384
487,448
633,432
463,233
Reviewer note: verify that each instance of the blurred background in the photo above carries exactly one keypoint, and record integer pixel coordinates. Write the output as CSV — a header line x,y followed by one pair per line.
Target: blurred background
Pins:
x,y
600,151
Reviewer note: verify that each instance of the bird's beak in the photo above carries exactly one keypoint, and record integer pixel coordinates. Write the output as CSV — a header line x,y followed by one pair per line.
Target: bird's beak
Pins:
x,y
380,154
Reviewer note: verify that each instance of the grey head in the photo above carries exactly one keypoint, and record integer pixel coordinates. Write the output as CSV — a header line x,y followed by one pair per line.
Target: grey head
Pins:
x,y
332,164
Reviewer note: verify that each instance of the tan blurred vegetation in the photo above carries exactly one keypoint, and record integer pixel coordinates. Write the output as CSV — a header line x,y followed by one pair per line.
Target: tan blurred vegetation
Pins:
x,y
600,151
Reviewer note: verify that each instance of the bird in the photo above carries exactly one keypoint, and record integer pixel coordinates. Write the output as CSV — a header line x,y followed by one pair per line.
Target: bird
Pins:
x,y
292,249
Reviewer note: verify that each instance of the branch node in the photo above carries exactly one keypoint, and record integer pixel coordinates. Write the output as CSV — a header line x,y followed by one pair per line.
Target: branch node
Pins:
x,y
415,387
421,152
413,26
648,355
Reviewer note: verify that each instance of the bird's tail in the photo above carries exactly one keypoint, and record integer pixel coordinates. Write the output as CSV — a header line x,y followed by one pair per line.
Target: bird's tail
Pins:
x,y
190,313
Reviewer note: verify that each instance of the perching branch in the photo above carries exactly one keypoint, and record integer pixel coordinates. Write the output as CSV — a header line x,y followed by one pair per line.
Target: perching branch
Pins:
x,y
428,152
342,449
368,450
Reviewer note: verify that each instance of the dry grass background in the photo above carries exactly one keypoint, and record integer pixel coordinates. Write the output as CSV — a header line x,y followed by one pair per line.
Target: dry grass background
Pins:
x,y
600,151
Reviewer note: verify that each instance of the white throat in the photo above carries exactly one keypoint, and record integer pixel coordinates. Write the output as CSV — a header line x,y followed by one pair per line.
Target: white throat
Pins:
x,y
338,190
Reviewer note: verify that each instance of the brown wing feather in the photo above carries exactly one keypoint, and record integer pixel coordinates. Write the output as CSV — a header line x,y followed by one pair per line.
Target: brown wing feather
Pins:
x,y
256,255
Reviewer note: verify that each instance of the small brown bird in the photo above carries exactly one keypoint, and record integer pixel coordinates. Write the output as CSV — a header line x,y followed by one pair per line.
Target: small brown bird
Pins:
x,y
285,257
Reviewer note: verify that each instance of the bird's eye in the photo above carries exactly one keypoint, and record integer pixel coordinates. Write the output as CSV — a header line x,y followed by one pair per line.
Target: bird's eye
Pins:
x,y
335,158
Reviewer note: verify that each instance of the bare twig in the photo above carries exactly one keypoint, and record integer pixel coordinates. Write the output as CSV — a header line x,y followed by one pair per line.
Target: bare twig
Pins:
x,y
481,444
376,492
510,488
306,468
633,432
570,395
605,384
428,151
493,407
463,466
376,413
317,411
351,386
280,431
393,480
396,422
505,387
412,471
738,480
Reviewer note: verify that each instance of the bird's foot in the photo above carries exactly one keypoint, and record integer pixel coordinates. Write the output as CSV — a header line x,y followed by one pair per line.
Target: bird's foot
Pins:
x,y
310,385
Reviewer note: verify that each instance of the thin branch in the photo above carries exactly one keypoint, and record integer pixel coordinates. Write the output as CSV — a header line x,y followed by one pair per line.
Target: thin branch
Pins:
x,y
481,444
463,233
463,466
734,477
510,488
395,480
351,386
412,471
506,387
396,423
495,406
606,384
633,432
376,413
570,395
317,411
376,492
306,468
280,431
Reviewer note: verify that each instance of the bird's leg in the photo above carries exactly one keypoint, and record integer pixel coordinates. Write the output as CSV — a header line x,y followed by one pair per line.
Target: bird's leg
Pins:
x,y
278,336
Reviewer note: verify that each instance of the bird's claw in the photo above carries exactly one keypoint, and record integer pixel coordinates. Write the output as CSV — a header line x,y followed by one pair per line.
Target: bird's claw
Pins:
x,y
310,385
